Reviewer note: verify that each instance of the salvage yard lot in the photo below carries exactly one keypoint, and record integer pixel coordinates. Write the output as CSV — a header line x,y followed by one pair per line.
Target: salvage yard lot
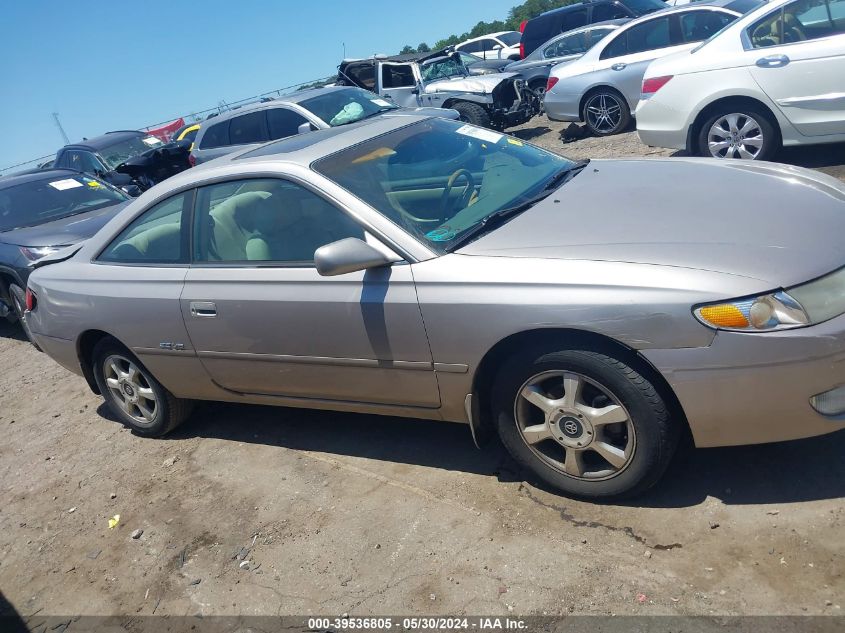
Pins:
x,y
255,510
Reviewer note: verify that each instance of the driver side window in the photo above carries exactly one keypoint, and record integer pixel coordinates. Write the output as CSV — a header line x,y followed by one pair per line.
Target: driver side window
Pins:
x,y
569,45
83,161
265,220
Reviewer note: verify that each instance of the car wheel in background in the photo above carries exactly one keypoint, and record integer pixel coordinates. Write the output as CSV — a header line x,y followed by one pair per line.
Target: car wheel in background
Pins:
x,y
472,113
18,297
584,422
738,132
606,112
133,394
539,90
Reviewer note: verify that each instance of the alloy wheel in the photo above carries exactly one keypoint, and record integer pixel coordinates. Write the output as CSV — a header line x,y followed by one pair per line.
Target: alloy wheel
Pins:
x,y
735,135
575,424
604,112
131,390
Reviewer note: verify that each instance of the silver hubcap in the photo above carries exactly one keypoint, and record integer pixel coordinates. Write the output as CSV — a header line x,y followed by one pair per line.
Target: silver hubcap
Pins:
x,y
604,112
735,136
130,389
575,425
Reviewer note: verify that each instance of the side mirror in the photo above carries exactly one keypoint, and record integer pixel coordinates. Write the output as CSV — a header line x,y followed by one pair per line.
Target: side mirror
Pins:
x,y
304,128
348,256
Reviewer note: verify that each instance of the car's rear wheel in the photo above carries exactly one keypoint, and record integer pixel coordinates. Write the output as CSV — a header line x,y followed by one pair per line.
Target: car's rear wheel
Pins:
x,y
606,112
539,90
18,297
738,132
133,394
584,422
472,113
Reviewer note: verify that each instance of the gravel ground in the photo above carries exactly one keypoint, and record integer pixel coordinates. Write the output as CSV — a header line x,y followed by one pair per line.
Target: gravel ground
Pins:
x,y
255,510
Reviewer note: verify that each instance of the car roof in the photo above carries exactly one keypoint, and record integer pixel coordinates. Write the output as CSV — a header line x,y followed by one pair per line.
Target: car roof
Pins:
x,y
292,98
106,140
684,8
12,180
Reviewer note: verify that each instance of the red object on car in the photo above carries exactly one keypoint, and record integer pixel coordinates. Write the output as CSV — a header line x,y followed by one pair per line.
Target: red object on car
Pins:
x,y
521,45
551,83
192,160
31,300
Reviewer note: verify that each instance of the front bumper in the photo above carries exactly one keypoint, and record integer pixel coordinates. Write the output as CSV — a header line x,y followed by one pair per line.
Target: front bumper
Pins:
x,y
756,388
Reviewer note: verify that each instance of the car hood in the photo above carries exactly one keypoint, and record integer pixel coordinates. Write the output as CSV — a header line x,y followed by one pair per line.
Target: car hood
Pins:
x,y
68,230
475,83
778,224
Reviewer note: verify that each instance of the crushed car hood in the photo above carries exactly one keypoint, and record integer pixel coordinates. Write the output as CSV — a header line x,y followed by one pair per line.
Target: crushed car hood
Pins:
x,y
475,83
779,224
64,231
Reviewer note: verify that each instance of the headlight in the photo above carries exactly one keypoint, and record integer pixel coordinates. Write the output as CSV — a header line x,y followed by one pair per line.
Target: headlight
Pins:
x,y
799,306
34,253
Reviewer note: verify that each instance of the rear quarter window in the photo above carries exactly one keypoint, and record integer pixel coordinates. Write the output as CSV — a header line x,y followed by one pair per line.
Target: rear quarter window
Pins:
x,y
216,135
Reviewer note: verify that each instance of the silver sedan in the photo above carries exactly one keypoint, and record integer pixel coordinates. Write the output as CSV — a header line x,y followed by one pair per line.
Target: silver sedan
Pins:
x,y
592,313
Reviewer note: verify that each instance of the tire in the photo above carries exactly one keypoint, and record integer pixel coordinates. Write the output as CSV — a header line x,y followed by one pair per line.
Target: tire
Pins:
x,y
641,446
748,123
472,113
605,112
112,361
18,297
539,89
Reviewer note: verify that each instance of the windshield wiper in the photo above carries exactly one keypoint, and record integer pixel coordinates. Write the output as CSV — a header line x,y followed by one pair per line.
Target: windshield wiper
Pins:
x,y
501,216
565,175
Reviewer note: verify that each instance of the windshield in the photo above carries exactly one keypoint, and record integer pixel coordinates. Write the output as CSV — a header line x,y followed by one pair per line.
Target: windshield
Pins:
x,y
440,178
510,39
39,201
114,155
339,107
442,68
641,7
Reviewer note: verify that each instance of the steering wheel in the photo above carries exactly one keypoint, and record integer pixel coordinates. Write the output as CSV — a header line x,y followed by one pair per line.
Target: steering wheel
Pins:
x,y
447,192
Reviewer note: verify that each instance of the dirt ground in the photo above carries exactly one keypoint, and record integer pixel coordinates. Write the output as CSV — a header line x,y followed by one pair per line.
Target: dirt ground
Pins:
x,y
257,510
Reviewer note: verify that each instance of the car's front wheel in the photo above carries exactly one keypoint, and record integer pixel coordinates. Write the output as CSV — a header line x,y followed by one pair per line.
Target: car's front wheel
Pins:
x,y
738,132
133,394
472,113
584,422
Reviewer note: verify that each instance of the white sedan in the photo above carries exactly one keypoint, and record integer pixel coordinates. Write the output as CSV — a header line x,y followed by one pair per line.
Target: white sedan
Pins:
x,y
774,77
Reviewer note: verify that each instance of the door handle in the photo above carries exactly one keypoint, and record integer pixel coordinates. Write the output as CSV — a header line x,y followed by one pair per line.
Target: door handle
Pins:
x,y
203,309
619,66
773,61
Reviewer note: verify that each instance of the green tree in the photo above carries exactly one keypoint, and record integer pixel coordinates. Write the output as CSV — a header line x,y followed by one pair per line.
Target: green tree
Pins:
x,y
422,47
407,49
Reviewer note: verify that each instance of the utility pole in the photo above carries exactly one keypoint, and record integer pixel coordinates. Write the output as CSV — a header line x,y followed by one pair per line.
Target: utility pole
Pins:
x,y
61,129
344,50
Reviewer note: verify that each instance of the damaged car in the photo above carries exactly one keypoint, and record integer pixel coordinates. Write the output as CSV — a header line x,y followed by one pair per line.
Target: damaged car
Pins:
x,y
440,79
129,159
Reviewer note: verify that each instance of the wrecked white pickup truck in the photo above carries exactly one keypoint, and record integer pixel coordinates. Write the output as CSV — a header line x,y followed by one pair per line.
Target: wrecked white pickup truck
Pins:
x,y
440,79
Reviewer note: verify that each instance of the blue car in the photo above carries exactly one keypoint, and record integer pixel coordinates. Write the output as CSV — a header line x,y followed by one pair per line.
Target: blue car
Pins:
x,y
41,213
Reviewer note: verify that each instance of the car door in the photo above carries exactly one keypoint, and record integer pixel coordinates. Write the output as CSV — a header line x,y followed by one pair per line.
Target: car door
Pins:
x,y
797,57
624,60
398,83
263,321
139,277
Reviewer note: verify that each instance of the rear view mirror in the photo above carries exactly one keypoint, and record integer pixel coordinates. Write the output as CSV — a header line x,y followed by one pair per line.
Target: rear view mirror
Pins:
x,y
348,256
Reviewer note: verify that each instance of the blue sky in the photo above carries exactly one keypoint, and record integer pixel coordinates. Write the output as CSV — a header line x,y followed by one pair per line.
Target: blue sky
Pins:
x,y
127,64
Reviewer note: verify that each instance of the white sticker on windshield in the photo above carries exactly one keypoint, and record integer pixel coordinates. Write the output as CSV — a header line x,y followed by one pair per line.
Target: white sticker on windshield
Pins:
x,y
480,133
152,141
381,102
67,183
